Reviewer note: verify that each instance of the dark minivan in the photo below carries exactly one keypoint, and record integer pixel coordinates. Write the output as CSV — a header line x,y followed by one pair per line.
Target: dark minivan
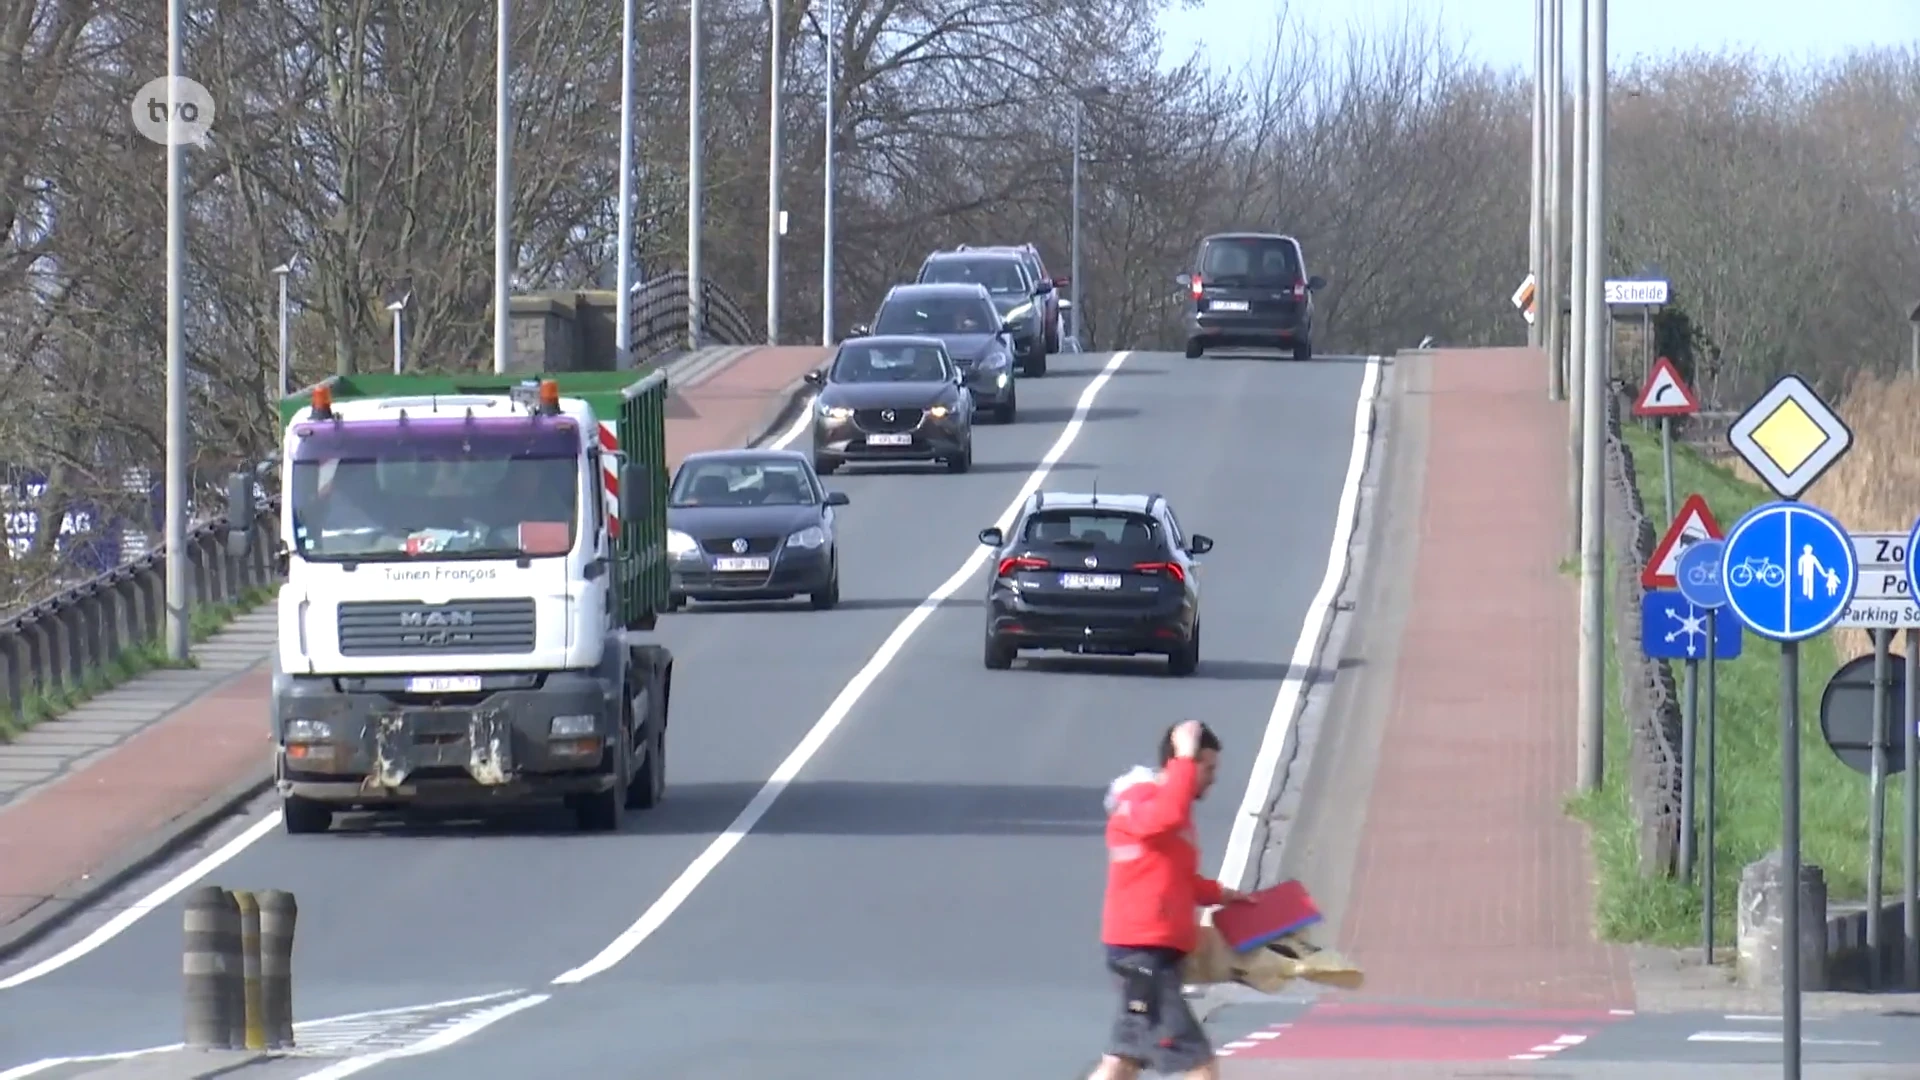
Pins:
x,y
1250,290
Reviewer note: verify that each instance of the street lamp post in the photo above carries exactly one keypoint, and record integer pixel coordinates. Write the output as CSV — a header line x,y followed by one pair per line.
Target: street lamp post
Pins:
x,y
773,175
623,273
1073,242
286,357
397,303
826,211
694,179
502,188
179,502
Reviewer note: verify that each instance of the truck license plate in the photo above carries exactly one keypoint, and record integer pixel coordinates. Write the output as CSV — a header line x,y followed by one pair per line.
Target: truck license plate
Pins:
x,y
1228,305
732,565
444,684
1089,581
889,440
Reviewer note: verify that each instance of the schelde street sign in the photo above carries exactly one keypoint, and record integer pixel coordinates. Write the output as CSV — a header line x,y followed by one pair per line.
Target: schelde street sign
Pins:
x,y
1649,292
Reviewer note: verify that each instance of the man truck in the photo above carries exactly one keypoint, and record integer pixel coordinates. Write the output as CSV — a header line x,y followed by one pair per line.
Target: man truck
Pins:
x,y
473,563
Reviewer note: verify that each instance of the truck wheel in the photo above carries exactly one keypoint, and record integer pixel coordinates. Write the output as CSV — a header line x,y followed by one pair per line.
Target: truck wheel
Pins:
x,y
301,816
649,785
606,811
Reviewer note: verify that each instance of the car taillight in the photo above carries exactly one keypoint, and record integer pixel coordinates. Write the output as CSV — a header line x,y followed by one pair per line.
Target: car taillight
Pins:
x,y
1009,566
1171,570
1299,290
1198,286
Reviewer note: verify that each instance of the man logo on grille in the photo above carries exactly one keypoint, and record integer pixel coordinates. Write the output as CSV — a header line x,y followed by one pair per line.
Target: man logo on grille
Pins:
x,y
740,546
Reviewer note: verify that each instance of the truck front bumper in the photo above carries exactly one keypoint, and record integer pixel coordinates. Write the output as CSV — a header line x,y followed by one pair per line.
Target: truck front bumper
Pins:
x,y
368,748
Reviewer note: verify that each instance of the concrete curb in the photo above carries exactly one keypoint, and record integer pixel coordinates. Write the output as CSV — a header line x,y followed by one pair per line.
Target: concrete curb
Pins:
x,y
143,855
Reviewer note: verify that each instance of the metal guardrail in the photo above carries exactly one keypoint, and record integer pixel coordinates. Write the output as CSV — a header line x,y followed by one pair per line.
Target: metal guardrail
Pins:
x,y
54,645
660,318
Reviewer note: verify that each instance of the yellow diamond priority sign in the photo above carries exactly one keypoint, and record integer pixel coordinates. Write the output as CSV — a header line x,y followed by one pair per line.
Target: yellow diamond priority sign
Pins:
x,y
1790,437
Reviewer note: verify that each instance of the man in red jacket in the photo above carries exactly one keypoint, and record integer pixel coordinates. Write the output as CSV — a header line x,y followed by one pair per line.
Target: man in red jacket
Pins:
x,y
1150,920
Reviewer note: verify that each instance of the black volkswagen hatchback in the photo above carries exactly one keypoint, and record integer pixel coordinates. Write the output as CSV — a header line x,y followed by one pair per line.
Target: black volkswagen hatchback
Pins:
x,y
752,525
892,398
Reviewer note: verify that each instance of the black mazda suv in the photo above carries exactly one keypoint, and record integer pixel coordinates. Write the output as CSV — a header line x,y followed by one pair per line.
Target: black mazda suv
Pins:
x,y
1095,574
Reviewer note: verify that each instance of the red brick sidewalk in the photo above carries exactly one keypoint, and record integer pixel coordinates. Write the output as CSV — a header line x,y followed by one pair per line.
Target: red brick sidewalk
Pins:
x,y
103,813
1471,883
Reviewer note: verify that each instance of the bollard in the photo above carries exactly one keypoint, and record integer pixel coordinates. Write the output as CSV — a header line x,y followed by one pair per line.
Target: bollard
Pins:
x,y
253,1034
211,963
278,914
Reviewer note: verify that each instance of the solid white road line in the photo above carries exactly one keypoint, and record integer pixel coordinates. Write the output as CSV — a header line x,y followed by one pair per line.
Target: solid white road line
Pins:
x,y
118,925
1234,862
439,1040
722,845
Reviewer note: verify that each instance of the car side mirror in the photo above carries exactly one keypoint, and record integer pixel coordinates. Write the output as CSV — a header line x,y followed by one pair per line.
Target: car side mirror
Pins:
x,y
1066,304
1183,279
239,514
816,376
1199,545
837,498
861,330
1043,288
1006,327
992,537
1316,283
636,490
1061,282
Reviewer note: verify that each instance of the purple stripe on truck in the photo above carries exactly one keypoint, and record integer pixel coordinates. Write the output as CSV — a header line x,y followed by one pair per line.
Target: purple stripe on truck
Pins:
x,y
490,437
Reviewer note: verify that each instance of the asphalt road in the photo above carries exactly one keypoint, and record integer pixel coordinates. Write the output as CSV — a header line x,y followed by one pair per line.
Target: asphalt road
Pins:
x,y
923,899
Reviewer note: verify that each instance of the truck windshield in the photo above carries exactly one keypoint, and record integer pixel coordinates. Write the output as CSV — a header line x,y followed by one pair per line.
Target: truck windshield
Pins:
x,y
439,489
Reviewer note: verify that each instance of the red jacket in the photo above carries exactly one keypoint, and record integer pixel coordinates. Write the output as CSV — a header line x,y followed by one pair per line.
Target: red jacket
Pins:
x,y
1153,861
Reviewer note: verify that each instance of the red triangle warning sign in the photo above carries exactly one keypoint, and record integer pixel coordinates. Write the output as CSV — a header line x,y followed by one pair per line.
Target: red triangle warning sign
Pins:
x,y
1666,393
1694,522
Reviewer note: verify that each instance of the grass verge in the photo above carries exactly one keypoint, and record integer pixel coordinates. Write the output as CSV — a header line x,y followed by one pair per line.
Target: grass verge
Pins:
x,y
1667,911
129,665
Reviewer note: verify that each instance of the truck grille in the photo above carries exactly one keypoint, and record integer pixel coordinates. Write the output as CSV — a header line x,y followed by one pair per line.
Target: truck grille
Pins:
x,y
878,420
405,628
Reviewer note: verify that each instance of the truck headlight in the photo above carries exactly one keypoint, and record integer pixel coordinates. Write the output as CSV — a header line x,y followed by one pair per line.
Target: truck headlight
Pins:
x,y
679,544
568,727
309,731
810,537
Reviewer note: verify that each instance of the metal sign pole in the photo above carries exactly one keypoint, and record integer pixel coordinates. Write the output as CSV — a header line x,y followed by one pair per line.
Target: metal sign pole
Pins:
x,y
1790,855
1877,804
1689,726
1707,840
1910,809
1666,460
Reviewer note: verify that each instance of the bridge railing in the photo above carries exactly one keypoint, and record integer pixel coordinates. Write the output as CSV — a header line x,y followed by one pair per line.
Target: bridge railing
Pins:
x,y
661,318
59,644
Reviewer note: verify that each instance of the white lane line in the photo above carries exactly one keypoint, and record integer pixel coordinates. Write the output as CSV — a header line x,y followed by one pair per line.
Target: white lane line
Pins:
x,y
683,886
118,925
439,1040
1266,763
1771,1037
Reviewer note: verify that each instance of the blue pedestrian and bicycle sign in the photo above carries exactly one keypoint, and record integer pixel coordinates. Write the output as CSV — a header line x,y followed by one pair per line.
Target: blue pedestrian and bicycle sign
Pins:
x,y
1674,628
1789,570
1698,573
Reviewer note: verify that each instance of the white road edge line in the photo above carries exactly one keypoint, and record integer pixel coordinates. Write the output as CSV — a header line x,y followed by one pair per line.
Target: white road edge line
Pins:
x,y
1266,763
119,924
696,872
439,1040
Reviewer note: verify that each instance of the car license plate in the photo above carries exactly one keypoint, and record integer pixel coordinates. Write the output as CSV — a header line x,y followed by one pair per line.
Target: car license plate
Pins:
x,y
1089,581
889,440
1228,305
444,684
731,565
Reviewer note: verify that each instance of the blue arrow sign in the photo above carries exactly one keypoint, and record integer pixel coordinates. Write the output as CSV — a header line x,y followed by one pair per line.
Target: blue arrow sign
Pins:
x,y
1789,570
1698,572
1674,628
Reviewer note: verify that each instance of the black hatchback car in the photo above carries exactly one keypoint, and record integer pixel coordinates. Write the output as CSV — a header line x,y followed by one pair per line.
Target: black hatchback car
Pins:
x,y
752,525
964,318
892,398
1250,290
1095,574
1026,303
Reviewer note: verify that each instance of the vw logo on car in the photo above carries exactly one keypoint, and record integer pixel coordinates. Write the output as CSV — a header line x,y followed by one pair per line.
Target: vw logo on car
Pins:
x,y
740,546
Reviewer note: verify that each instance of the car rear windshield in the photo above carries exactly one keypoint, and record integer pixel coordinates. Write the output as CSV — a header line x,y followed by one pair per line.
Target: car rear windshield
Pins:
x,y
1092,527
1250,261
936,315
999,273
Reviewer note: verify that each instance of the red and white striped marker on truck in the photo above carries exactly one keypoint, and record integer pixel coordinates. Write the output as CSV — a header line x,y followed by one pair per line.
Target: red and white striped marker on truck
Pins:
x,y
610,478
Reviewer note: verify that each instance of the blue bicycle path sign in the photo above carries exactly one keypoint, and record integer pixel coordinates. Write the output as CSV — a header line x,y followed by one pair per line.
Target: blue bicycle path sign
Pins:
x,y
1698,572
1674,628
1789,570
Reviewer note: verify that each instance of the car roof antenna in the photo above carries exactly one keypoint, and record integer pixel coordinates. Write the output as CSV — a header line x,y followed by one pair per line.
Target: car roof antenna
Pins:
x,y
1096,489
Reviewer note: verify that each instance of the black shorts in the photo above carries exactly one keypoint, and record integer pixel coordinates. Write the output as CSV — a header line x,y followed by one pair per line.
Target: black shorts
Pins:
x,y
1156,1027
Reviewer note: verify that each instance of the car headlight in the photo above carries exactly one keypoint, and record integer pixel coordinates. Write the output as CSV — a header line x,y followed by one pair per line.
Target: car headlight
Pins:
x,y
1000,380
679,544
1021,313
564,727
810,537
940,412
309,731
994,360
835,412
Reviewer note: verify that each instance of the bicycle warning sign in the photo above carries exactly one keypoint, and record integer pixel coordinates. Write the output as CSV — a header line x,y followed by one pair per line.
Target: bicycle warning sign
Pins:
x,y
1693,523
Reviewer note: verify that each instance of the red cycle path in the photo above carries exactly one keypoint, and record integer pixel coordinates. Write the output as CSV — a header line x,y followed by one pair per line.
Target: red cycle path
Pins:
x,y
53,838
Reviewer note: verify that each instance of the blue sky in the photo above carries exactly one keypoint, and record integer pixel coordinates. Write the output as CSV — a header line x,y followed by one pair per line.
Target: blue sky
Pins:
x,y
1500,31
